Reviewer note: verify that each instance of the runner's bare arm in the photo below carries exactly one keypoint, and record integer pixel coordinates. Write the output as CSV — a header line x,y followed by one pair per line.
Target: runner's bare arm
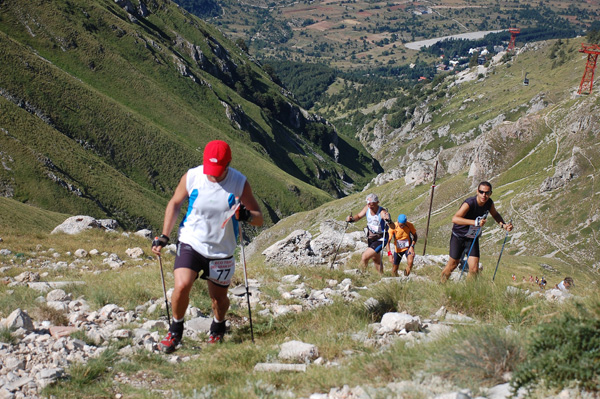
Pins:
x,y
498,218
251,204
459,216
359,215
172,210
391,237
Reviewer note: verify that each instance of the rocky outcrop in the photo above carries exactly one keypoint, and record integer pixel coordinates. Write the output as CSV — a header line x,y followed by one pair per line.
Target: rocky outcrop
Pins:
x,y
77,224
299,247
418,173
566,171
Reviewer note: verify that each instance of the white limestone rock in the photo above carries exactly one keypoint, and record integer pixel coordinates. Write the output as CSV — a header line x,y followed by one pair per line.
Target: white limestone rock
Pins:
x,y
299,351
398,321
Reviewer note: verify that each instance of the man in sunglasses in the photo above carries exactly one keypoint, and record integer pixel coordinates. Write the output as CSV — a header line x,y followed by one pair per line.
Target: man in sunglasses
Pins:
x,y
466,222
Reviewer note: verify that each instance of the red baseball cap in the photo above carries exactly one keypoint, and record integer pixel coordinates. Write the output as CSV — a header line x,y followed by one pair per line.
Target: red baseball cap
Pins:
x,y
217,156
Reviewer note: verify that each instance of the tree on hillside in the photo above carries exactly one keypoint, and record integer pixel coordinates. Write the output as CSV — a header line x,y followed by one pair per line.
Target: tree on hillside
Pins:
x,y
593,34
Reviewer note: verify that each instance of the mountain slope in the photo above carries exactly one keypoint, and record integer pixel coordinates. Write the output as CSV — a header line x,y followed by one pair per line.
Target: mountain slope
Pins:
x,y
538,145
105,105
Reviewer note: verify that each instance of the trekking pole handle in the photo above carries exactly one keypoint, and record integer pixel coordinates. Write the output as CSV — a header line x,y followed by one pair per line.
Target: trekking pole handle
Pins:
x,y
478,219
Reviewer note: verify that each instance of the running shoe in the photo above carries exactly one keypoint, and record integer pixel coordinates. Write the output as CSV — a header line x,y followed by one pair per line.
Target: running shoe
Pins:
x,y
170,342
215,337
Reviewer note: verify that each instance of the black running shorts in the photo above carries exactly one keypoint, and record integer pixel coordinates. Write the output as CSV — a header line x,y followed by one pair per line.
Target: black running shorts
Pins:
x,y
398,257
460,244
188,258
375,244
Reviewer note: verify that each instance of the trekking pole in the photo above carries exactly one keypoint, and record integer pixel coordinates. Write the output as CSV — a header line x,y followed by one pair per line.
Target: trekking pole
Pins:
x,y
162,277
472,244
430,204
502,250
339,244
246,281
383,244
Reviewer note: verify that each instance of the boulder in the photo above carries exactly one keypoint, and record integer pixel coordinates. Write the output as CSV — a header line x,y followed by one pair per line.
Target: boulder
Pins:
x,y
81,253
134,252
299,351
398,321
418,173
57,295
27,277
19,319
144,233
77,224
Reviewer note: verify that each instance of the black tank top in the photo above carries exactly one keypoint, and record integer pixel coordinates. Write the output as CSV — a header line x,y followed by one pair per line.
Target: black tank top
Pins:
x,y
473,213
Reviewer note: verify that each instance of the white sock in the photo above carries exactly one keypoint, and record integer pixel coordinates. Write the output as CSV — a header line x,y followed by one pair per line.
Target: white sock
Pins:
x,y
217,321
178,320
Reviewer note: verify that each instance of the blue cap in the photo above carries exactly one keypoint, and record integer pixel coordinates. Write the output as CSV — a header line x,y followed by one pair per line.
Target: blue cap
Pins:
x,y
402,218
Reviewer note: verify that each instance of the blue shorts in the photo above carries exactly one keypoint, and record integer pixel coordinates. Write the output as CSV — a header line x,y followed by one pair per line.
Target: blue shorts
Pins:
x,y
376,245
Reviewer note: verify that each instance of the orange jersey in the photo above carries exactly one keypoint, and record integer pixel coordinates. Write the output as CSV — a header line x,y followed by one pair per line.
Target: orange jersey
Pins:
x,y
401,235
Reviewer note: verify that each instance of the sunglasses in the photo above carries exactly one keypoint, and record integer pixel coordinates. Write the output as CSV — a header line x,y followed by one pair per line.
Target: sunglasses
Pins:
x,y
484,192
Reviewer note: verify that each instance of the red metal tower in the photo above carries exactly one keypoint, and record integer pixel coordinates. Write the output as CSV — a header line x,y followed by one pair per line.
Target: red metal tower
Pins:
x,y
513,37
587,82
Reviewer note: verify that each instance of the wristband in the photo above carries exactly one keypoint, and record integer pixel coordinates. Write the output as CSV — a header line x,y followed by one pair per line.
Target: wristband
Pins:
x,y
389,253
161,241
243,214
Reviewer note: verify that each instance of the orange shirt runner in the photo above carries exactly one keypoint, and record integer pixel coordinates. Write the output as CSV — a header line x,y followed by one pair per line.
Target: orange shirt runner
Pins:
x,y
402,236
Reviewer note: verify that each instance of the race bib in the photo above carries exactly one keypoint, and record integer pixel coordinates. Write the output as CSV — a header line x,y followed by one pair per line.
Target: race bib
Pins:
x,y
221,270
401,244
472,232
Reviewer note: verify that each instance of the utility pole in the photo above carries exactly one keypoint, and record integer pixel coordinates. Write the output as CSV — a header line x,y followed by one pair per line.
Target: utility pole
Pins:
x,y
430,204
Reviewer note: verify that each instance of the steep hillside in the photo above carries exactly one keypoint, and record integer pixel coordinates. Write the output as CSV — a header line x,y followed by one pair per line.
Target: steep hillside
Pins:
x,y
104,105
538,144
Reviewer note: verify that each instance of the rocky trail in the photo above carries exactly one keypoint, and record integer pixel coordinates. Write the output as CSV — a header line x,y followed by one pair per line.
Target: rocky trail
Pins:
x,y
41,353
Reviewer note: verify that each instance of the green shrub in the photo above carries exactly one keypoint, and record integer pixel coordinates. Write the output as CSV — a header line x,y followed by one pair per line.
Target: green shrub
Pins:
x,y
92,379
482,354
563,352
80,334
56,317
386,297
6,336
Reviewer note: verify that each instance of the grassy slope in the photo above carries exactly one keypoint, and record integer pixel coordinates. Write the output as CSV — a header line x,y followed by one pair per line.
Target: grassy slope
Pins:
x,y
17,218
113,88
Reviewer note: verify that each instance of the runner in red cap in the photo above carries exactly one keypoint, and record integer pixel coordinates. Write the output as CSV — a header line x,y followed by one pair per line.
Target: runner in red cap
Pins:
x,y
206,244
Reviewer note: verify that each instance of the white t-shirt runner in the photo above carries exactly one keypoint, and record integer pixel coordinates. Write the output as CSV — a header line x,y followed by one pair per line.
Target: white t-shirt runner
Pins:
x,y
209,203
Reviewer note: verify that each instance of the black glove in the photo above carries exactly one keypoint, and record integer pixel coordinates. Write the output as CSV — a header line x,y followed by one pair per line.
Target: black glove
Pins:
x,y
161,241
243,214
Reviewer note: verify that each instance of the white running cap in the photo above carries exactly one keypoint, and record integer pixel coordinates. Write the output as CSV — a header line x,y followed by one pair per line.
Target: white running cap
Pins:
x,y
372,198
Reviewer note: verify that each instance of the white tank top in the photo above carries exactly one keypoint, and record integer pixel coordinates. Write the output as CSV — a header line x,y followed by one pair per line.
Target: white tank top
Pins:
x,y
374,221
209,203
